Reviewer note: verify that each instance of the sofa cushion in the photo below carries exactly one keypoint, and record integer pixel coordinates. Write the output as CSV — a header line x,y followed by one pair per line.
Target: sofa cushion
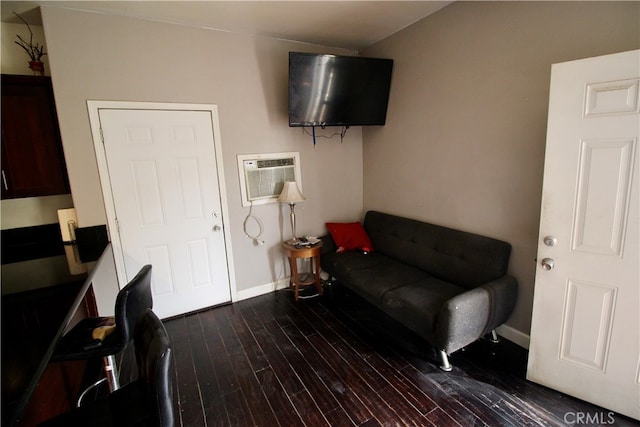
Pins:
x,y
371,275
373,282
340,264
417,305
349,236
463,258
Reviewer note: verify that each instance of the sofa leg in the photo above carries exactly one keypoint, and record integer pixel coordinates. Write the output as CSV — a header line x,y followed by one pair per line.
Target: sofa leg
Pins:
x,y
494,337
444,361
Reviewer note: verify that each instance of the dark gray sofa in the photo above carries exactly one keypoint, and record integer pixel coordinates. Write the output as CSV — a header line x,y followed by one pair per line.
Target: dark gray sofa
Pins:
x,y
450,287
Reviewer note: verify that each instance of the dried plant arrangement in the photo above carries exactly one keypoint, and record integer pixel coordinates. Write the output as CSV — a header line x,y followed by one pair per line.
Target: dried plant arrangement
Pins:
x,y
34,50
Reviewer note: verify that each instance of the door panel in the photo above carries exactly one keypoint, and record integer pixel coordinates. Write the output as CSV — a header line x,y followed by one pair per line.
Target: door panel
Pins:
x,y
585,334
588,318
166,195
604,191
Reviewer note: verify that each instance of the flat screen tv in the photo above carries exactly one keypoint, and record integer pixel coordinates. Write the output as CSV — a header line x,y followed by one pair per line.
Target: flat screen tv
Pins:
x,y
332,90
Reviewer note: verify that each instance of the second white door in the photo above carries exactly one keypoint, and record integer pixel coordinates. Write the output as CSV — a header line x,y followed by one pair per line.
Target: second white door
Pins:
x,y
585,333
166,196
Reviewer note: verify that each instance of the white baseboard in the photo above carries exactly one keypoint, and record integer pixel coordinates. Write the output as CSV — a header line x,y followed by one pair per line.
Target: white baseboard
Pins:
x,y
256,291
514,335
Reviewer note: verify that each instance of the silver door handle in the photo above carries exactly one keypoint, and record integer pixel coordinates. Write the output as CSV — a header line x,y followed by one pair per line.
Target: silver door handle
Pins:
x,y
550,241
548,263
217,228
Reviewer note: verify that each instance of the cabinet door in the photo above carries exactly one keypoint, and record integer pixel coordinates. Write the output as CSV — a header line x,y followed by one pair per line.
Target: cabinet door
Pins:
x,y
32,160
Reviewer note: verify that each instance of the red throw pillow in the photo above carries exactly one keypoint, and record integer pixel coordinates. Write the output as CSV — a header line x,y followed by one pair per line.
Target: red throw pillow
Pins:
x,y
349,236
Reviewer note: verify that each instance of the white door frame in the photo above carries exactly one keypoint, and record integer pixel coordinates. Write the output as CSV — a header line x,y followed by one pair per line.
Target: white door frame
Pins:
x,y
94,107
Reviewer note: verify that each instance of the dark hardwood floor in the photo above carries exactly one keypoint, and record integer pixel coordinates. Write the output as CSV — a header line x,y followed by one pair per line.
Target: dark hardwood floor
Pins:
x,y
334,361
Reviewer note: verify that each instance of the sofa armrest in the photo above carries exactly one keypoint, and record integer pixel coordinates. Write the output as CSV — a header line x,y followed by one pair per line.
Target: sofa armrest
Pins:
x,y
328,245
471,314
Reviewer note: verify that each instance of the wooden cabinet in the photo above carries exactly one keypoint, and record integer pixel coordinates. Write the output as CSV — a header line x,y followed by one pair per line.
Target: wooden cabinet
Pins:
x,y
32,158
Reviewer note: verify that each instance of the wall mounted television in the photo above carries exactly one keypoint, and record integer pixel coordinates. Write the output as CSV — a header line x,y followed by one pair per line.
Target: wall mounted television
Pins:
x,y
332,90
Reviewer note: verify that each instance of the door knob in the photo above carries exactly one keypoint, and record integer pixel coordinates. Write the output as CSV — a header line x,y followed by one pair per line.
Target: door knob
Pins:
x,y
548,263
550,241
217,228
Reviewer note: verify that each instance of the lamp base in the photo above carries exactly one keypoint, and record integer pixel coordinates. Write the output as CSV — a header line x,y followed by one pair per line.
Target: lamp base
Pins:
x,y
292,216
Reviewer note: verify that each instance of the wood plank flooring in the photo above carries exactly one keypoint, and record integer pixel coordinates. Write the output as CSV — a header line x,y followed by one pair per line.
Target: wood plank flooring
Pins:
x,y
335,361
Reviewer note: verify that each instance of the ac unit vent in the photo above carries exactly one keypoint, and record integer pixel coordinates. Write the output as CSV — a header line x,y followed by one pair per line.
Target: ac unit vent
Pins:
x,y
275,162
262,176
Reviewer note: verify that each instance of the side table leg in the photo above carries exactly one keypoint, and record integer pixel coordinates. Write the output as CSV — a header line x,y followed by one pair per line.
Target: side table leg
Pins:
x,y
294,276
291,270
317,274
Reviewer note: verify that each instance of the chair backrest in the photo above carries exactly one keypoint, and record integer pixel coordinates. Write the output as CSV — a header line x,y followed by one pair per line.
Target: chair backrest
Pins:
x,y
154,359
131,303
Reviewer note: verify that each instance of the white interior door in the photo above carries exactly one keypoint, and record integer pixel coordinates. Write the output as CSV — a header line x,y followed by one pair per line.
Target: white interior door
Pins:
x,y
585,335
164,184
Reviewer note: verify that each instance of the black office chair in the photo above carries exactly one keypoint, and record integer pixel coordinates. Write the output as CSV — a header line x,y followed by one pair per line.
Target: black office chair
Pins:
x,y
79,344
147,401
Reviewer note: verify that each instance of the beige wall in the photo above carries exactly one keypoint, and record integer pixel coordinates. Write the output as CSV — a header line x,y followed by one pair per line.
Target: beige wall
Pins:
x,y
102,57
465,135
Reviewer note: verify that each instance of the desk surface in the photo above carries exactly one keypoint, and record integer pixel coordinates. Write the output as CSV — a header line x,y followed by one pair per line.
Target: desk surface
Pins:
x,y
29,341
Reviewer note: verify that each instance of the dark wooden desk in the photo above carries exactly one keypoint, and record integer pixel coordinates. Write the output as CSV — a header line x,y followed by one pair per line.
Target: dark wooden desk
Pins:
x,y
33,389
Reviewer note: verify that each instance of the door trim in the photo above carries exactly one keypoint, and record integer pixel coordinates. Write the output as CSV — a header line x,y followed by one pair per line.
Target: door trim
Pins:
x,y
94,107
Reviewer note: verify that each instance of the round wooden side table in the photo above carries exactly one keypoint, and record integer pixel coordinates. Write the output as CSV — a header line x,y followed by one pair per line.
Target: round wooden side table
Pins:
x,y
298,279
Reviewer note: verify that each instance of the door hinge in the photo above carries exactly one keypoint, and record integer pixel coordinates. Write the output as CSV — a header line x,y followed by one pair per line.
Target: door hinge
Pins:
x,y
117,226
101,136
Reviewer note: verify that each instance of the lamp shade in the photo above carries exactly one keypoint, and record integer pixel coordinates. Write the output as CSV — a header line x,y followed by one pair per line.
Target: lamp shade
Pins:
x,y
290,193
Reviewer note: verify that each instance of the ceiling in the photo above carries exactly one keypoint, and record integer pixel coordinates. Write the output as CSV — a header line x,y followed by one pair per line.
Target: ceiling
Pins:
x,y
347,24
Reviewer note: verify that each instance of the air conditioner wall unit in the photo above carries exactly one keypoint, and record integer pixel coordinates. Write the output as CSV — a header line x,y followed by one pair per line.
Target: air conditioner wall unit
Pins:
x,y
262,176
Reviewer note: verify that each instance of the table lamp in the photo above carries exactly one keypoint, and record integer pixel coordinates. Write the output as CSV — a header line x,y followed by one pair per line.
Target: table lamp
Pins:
x,y
291,194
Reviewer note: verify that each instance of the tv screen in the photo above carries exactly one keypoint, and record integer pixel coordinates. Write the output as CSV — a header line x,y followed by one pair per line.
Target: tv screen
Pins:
x,y
331,90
